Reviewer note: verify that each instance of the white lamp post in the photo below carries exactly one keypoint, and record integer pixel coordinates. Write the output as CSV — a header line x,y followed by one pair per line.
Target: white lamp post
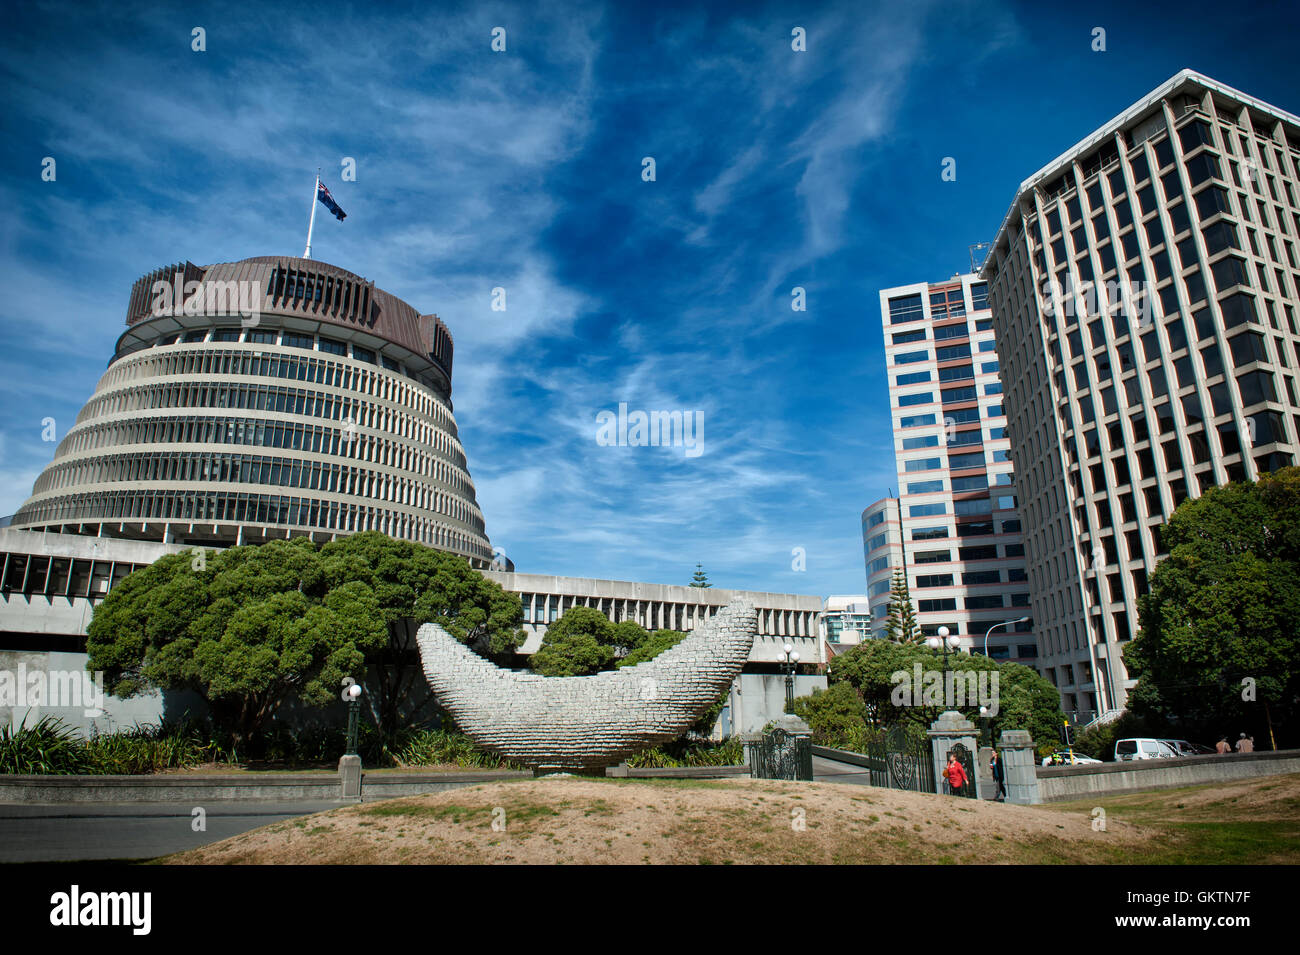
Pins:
x,y
1004,623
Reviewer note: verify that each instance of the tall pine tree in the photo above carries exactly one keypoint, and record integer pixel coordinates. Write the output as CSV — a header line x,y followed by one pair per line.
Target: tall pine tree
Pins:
x,y
701,579
900,624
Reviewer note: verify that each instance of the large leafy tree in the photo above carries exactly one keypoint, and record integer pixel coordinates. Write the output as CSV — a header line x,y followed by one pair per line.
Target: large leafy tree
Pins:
x,y
1222,608
247,628
900,621
836,717
653,645
1026,701
414,585
250,628
580,643
627,635
583,641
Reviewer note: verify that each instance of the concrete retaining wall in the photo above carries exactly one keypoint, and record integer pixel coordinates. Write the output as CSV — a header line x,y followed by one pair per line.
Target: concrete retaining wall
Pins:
x,y
375,787
196,790
1057,783
199,790
690,772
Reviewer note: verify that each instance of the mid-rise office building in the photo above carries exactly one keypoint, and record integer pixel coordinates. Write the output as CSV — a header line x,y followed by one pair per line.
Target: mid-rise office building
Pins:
x,y
954,529
1144,295
846,620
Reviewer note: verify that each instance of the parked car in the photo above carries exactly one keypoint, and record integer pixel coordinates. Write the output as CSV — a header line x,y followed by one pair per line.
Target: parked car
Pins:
x,y
1185,748
1126,749
1066,757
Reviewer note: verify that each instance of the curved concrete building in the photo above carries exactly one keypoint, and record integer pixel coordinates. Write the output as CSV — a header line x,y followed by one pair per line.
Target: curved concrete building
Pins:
x,y
261,399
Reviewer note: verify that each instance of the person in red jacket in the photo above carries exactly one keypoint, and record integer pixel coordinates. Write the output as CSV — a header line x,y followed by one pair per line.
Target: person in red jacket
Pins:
x,y
955,773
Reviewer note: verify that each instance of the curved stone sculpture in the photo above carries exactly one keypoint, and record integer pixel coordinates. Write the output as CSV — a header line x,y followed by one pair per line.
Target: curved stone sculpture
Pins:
x,y
584,723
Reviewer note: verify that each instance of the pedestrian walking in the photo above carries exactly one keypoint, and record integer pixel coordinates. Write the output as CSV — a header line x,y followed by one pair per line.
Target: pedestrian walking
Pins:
x,y
1223,746
1246,744
995,765
955,773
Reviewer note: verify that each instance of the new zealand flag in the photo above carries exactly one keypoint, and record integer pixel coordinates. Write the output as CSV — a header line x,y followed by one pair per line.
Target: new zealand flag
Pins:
x,y
324,196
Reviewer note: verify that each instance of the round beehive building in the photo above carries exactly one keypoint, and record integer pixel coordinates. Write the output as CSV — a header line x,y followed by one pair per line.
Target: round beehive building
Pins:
x,y
261,399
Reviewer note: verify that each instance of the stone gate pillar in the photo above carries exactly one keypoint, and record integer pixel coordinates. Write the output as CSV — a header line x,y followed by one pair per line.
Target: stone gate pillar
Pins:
x,y
946,732
1020,767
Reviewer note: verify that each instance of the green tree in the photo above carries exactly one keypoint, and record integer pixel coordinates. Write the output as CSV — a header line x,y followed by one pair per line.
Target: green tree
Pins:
x,y
868,667
252,627
900,621
1026,701
414,585
627,635
1222,615
701,579
580,643
653,645
836,716
570,654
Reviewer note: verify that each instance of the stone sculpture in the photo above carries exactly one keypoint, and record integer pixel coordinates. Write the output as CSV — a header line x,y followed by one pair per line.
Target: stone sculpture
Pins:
x,y
584,723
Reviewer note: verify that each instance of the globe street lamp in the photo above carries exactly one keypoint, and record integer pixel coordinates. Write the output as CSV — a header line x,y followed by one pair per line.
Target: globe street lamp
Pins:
x,y
791,663
352,693
943,640
1004,623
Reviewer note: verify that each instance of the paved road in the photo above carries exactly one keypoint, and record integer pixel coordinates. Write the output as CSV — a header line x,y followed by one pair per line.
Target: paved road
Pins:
x,y
67,833
830,771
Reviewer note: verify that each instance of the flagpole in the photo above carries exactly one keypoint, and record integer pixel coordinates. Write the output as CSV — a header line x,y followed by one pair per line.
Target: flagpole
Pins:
x,y
312,222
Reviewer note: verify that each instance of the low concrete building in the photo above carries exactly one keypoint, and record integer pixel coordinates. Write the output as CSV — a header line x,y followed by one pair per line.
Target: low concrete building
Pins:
x,y
782,618
49,585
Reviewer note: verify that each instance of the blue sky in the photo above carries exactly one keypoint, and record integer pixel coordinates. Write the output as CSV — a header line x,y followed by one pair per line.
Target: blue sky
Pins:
x,y
522,170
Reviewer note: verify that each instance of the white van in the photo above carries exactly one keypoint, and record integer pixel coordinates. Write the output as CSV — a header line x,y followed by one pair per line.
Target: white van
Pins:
x,y
1126,749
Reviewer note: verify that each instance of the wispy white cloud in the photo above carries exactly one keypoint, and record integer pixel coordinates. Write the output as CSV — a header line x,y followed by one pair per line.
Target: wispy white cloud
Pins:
x,y
520,170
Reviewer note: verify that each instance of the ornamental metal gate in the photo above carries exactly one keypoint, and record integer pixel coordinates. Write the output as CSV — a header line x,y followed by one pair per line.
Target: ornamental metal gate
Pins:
x,y
900,761
967,761
780,755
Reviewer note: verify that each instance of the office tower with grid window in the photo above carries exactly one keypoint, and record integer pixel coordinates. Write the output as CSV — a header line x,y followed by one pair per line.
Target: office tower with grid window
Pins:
x,y
1144,295
954,529
266,398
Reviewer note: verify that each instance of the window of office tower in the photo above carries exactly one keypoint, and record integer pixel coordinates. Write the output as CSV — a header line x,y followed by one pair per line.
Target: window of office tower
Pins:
x,y
906,308
947,303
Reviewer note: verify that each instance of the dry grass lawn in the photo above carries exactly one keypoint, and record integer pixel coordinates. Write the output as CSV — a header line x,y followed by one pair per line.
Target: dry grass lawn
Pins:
x,y
573,820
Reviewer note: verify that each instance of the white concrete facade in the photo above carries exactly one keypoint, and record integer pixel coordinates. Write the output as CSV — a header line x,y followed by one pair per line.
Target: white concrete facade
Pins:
x,y
51,583
781,617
